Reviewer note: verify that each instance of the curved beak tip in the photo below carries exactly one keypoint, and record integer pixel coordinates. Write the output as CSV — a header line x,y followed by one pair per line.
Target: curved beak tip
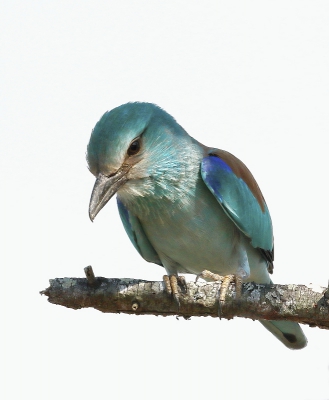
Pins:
x,y
105,187
91,216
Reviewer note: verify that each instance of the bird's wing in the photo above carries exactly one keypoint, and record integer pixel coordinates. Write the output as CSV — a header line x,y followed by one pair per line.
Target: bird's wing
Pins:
x,y
137,235
233,185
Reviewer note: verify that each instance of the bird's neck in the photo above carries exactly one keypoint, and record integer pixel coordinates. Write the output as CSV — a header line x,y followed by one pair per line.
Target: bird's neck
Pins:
x,y
166,190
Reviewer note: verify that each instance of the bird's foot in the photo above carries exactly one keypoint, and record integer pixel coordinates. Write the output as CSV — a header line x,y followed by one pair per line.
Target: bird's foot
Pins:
x,y
172,282
225,283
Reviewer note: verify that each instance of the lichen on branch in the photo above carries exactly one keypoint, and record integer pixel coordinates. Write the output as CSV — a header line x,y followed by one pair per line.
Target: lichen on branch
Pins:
x,y
297,303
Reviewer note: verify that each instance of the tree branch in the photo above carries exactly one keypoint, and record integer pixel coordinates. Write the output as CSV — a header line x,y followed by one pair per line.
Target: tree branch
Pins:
x,y
298,303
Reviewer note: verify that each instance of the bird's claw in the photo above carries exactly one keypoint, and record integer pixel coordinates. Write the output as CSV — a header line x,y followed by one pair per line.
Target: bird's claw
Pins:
x,y
225,283
208,275
182,283
171,284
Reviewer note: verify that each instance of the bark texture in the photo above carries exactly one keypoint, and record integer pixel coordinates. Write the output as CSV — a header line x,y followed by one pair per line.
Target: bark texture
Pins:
x,y
303,304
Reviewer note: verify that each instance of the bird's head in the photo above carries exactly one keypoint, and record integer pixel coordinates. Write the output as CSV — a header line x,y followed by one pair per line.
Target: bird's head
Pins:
x,y
136,149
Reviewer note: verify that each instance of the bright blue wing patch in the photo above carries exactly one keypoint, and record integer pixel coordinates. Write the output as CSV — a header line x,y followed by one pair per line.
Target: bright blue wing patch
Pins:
x,y
238,202
137,235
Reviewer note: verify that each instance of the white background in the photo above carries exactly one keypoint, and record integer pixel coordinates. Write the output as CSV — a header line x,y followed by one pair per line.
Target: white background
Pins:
x,y
251,77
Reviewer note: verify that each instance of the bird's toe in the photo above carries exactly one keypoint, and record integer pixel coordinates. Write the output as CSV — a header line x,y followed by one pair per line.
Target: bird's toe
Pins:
x,y
171,283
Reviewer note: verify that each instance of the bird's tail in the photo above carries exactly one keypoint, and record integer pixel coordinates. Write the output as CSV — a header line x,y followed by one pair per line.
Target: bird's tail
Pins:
x,y
288,332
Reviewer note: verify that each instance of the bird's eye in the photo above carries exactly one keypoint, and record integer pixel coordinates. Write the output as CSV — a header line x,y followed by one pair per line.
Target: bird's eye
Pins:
x,y
134,148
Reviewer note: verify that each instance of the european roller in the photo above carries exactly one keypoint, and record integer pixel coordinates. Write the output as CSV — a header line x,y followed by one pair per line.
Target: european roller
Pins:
x,y
186,207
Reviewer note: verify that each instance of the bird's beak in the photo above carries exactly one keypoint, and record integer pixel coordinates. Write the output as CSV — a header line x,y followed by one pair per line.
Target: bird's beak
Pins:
x,y
105,187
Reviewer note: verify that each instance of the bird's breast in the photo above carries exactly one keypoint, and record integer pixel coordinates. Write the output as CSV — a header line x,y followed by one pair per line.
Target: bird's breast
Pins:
x,y
192,233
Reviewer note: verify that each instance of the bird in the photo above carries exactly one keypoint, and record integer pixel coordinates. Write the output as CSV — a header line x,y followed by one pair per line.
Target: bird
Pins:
x,y
189,208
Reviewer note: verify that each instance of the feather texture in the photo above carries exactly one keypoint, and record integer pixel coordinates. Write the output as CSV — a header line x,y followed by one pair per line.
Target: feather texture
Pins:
x,y
184,206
